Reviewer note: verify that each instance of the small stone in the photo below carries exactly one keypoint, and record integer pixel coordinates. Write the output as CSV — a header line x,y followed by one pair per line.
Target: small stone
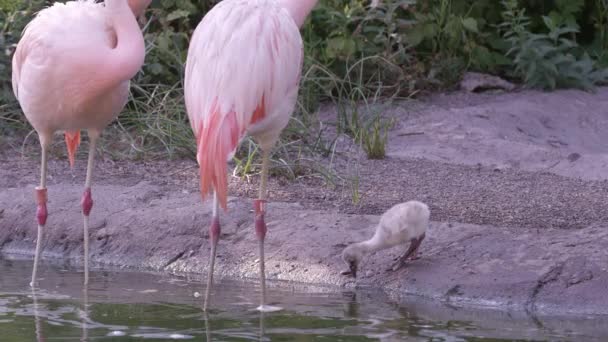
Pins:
x,y
178,337
148,291
477,82
197,294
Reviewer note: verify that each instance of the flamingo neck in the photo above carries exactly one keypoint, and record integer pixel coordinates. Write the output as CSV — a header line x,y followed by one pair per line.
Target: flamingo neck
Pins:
x,y
299,9
128,56
139,6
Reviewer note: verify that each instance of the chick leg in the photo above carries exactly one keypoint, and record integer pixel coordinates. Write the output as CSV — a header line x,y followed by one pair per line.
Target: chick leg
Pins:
x,y
414,255
410,254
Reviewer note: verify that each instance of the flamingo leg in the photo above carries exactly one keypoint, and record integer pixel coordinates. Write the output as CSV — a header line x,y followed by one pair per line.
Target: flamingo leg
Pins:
x,y
260,224
260,229
214,236
87,202
41,211
414,254
410,254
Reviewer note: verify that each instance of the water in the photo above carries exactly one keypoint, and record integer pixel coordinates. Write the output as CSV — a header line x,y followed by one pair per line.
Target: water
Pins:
x,y
128,306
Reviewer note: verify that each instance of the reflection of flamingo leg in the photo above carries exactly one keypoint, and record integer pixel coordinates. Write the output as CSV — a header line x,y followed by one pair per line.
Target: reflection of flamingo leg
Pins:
x,y
85,313
261,326
207,327
37,323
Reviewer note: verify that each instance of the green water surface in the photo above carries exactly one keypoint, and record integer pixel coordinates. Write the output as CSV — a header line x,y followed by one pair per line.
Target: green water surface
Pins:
x,y
130,306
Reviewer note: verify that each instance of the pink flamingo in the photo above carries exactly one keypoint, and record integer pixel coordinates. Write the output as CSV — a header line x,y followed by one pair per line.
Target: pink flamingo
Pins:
x,y
242,76
71,71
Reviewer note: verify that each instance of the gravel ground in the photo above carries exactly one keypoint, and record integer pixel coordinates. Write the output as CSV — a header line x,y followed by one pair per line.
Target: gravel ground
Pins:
x,y
517,185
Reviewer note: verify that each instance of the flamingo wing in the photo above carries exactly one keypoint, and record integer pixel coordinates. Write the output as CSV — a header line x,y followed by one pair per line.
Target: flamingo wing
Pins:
x,y
242,75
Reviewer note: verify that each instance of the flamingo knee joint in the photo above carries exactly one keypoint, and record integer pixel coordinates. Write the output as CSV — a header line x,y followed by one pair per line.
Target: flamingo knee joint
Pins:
x,y
41,211
87,202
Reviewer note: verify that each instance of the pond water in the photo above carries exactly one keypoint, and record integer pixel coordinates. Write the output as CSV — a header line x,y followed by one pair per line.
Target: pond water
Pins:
x,y
130,306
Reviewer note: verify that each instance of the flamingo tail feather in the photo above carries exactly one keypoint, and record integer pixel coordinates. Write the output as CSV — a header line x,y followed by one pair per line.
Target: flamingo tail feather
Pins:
x,y
215,144
72,141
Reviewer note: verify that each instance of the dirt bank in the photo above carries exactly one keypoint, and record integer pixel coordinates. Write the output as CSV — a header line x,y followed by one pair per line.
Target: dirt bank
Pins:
x,y
519,220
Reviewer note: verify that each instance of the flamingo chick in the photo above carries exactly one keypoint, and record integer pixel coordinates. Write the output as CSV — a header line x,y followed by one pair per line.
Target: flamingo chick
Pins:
x,y
71,71
242,76
403,223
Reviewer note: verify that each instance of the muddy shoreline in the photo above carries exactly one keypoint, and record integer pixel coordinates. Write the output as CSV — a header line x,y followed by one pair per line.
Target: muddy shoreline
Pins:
x,y
510,231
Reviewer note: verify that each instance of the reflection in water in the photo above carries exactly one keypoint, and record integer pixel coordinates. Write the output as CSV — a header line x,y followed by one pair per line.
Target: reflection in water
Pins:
x,y
207,327
85,313
261,325
37,322
143,306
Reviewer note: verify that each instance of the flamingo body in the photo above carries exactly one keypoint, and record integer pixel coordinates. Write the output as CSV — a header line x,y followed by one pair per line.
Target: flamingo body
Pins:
x,y
61,75
71,71
242,76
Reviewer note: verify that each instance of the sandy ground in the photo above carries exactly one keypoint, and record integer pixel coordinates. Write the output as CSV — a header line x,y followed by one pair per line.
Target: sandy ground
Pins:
x,y
517,185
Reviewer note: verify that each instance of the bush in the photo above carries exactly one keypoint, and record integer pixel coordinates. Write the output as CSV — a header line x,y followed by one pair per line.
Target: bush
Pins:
x,y
549,60
355,53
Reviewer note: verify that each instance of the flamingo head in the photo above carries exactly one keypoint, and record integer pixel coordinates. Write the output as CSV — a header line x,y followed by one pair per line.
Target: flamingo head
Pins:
x,y
139,6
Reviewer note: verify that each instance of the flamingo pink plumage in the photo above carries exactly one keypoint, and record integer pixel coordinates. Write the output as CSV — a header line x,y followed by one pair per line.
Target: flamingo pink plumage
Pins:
x,y
242,76
71,71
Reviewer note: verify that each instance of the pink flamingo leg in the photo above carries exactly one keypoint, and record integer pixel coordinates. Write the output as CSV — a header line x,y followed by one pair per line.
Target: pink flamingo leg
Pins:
x,y
41,211
260,230
214,236
87,202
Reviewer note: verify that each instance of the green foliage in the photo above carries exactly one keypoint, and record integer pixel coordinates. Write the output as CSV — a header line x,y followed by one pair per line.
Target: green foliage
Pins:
x,y
599,45
442,31
354,56
167,35
549,60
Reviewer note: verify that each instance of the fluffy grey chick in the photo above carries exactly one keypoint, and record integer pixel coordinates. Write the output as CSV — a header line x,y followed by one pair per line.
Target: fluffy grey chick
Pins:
x,y
404,222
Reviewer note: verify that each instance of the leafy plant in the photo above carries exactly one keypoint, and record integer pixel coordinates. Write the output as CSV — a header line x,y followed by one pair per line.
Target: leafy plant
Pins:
x,y
448,37
599,46
566,12
548,60
443,31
